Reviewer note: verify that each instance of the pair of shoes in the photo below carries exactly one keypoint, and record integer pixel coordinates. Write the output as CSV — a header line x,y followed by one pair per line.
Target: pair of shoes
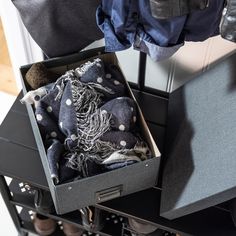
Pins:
x,y
45,226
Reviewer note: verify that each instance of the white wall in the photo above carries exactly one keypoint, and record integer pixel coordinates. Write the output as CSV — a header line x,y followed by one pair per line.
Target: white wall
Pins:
x,y
22,49
196,58
191,59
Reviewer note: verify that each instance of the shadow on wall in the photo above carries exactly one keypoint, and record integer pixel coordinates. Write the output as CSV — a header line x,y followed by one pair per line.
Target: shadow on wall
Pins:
x,y
180,133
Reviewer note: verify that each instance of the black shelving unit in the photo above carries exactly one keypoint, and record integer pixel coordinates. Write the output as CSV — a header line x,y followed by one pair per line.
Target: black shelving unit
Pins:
x,y
20,160
17,138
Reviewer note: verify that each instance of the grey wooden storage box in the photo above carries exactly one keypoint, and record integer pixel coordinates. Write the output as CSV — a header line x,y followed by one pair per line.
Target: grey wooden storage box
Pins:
x,y
92,190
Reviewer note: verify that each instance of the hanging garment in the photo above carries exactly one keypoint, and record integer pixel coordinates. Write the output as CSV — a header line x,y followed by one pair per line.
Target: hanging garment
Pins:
x,y
126,23
170,8
60,27
228,23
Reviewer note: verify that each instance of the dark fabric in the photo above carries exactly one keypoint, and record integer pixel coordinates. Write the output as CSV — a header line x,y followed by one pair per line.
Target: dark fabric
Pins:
x,y
228,23
66,174
117,165
67,118
112,79
47,113
54,153
113,71
60,27
80,128
120,139
163,9
38,76
138,153
203,24
123,113
126,23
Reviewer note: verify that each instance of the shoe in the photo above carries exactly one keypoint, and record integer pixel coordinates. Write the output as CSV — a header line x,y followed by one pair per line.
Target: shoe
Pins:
x,y
43,225
93,219
43,201
71,230
140,227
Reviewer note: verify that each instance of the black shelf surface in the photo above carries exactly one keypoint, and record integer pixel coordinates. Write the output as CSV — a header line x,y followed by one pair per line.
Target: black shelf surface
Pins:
x,y
209,222
72,218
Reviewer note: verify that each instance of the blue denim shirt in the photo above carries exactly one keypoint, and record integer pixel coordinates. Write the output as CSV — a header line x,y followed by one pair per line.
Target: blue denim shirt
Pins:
x,y
130,22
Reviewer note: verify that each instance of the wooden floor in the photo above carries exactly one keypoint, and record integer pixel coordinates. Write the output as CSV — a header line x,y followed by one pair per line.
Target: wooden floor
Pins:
x,y
7,81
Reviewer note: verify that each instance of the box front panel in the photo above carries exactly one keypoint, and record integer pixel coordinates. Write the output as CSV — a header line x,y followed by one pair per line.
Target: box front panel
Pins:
x,y
107,186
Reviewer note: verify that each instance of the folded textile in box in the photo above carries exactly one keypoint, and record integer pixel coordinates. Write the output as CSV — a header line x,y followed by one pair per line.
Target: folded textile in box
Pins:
x,y
86,118
87,188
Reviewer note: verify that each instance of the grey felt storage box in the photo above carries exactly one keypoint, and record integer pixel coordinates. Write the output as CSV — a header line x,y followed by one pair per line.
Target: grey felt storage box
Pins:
x,y
200,170
92,190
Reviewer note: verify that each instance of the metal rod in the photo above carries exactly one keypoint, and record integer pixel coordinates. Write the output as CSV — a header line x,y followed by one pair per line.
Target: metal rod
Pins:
x,y
151,91
142,70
